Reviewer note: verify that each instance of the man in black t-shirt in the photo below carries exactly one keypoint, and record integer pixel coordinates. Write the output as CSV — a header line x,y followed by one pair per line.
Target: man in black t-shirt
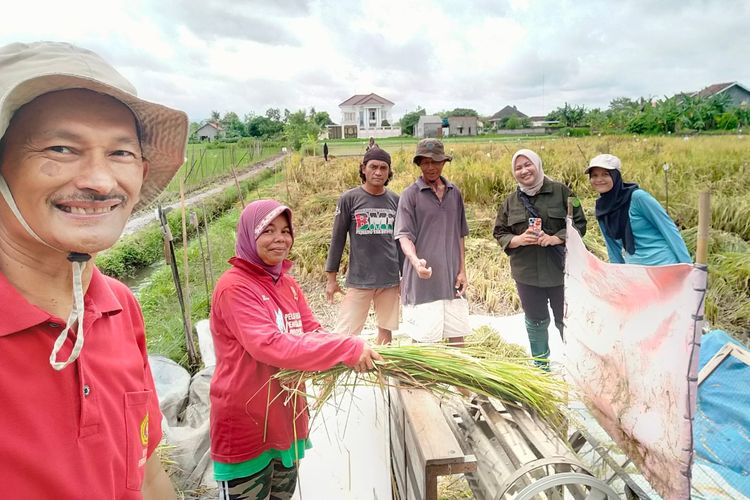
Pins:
x,y
367,215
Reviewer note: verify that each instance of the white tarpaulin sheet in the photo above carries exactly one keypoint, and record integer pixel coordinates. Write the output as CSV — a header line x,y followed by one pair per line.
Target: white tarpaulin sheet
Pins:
x,y
632,334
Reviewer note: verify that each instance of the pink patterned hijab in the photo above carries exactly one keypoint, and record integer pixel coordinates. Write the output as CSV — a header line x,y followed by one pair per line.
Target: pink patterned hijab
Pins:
x,y
254,219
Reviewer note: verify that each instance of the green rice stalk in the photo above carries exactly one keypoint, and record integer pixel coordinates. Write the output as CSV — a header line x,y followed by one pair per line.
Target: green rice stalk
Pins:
x,y
440,368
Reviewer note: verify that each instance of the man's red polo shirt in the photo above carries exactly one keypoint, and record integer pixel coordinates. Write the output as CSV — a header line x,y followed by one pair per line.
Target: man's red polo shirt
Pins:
x,y
85,431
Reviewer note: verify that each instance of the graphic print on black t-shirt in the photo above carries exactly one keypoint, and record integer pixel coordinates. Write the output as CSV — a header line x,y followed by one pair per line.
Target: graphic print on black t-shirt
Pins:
x,y
374,220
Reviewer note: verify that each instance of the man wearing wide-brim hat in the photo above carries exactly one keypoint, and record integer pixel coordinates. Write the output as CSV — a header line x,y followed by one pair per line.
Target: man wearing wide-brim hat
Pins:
x,y
431,227
78,152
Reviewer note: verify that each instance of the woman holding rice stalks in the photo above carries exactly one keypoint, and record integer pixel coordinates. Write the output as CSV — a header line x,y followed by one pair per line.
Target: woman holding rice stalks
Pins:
x,y
530,227
260,323
635,226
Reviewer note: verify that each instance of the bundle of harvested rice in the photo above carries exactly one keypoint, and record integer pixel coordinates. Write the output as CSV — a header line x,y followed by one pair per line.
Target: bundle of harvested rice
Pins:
x,y
441,368
487,339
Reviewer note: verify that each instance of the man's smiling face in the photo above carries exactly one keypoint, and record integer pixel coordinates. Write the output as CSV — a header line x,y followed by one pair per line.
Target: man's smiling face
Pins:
x,y
73,162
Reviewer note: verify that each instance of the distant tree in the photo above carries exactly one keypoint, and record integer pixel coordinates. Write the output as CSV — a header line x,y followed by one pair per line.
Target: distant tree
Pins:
x,y
597,119
619,104
273,114
743,115
299,128
727,121
287,114
515,122
233,126
409,120
570,116
322,118
667,114
215,117
460,112
621,110
262,126
194,126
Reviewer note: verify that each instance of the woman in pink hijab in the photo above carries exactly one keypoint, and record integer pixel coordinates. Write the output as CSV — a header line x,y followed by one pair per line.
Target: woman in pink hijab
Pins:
x,y
530,227
260,323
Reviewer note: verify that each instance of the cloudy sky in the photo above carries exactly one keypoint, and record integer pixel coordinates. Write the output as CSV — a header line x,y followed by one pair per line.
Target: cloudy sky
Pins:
x,y
249,55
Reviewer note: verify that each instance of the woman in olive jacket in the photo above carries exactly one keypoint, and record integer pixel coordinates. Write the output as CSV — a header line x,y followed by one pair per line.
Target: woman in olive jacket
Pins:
x,y
530,228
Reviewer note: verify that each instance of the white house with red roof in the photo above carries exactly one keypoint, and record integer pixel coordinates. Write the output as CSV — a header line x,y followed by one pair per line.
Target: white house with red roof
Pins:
x,y
367,115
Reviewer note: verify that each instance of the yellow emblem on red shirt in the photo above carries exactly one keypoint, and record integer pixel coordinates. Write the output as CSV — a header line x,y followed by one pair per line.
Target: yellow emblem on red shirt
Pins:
x,y
144,431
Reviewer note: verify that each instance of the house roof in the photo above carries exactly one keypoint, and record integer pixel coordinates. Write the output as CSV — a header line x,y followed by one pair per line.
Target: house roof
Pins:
x,y
430,119
364,99
212,124
506,112
714,89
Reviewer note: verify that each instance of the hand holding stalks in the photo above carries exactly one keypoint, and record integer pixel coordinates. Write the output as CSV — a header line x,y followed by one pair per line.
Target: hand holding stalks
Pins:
x,y
367,359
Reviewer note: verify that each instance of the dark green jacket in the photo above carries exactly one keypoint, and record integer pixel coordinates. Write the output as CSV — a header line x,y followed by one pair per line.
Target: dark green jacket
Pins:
x,y
535,265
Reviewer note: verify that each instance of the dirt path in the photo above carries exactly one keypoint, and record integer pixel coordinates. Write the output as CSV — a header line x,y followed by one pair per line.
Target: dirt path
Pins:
x,y
142,219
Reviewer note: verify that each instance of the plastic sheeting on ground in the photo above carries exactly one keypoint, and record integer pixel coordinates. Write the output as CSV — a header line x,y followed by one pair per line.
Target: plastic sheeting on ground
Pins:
x,y
184,402
632,356
722,422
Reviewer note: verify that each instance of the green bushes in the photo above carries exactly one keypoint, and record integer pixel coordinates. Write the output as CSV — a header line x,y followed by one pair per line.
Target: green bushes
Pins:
x,y
574,131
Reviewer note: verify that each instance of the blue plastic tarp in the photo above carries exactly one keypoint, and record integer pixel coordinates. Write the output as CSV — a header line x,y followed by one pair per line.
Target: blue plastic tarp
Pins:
x,y
721,428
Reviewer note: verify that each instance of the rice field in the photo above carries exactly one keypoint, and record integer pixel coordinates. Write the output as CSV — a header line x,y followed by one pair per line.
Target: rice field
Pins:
x,y
482,171
720,164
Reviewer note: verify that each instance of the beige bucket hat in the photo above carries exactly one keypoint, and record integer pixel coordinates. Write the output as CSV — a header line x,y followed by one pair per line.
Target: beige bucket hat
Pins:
x,y
605,161
28,70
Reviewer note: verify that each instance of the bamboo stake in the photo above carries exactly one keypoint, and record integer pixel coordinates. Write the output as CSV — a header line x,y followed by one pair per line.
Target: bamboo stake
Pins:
x,y
208,246
286,181
236,181
194,222
666,185
193,358
704,223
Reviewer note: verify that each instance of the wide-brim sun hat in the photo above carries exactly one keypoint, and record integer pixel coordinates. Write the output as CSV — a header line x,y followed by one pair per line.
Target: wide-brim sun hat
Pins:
x,y
431,148
605,161
29,70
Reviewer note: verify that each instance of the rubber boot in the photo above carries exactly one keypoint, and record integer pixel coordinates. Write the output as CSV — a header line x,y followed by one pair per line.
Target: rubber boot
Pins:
x,y
539,341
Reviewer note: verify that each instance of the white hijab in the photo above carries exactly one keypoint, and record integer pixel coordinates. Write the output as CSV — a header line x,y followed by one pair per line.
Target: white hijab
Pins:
x,y
538,180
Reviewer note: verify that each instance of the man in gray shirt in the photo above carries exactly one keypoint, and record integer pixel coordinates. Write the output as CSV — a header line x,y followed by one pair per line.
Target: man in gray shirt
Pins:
x,y
367,214
431,227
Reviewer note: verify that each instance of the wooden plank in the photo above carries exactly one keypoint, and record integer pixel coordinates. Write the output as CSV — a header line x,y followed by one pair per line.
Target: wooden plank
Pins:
x,y
718,358
422,436
415,464
398,450
714,362
437,444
